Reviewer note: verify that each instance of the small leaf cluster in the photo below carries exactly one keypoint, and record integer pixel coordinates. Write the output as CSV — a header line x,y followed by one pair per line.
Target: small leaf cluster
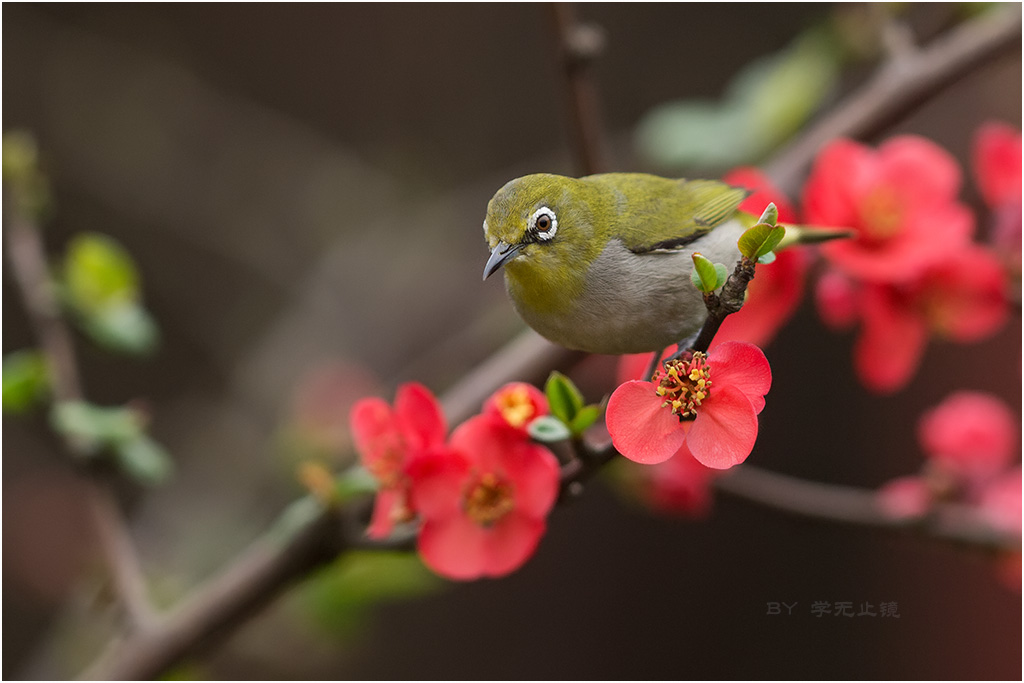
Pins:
x,y
570,414
118,432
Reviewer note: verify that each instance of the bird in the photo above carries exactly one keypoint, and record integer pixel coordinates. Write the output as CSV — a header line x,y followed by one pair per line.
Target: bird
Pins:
x,y
602,263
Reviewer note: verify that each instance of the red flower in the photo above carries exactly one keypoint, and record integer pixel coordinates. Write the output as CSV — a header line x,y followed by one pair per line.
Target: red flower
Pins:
x,y
388,440
710,402
970,435
962,298
680,485
516,404
900,199
483,500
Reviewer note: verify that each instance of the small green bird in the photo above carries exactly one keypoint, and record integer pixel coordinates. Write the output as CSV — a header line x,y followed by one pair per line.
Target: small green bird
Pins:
x,y
602,263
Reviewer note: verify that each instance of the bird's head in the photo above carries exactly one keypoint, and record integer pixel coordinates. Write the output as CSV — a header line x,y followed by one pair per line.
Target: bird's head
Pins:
x,y
540,226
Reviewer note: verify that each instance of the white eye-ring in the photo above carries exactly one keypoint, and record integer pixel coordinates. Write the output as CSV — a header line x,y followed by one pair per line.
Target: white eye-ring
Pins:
x,y
544,223
485,226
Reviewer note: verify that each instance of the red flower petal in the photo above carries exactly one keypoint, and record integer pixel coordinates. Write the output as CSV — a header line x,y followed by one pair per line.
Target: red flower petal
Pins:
x,y
840,175
838,299
383,521
438,478
742,366
454,546
511,542
370,418
641,429
419,416
725,429
891,342
922,172
964,297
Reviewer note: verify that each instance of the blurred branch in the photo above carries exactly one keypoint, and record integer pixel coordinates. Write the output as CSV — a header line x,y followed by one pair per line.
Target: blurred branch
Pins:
x,y
851,505
907,79
214,609
28,260
578,44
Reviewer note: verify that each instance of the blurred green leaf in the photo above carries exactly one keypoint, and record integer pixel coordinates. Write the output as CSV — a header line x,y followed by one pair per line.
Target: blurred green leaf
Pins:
x,y
92,427
766,258
338,596
26,380
549,429
144,460
101,284
587,416
760,239
564,399
123,326
99,272
764,104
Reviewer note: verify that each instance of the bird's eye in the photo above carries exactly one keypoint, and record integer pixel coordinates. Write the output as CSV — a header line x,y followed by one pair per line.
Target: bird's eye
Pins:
x,y
543,223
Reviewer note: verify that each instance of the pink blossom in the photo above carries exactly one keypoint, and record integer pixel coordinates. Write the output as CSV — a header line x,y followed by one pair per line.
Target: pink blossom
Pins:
x,y
905,498
388,440
970,435
483,500
996,157
901,200
1001,502
709,402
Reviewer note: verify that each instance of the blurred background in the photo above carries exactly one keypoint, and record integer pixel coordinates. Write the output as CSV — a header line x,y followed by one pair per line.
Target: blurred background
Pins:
x,y
301,189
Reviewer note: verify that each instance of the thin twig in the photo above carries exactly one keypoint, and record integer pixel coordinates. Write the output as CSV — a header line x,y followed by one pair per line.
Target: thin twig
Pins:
x,y
28,260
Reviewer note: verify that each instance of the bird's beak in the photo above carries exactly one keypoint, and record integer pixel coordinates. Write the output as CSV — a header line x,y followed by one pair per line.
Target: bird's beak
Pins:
x,y
499,255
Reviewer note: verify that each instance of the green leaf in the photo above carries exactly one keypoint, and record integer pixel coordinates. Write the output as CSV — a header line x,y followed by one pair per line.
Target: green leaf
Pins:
x,y
26,380
144,460
99,273
722,274
587,416
549,429
767,258
338,596
92,427
564,399
20,156
770,215
760,239
123,326
705,274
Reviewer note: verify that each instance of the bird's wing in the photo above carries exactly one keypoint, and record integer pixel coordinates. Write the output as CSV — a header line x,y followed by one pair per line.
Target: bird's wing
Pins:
x,y
665,215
